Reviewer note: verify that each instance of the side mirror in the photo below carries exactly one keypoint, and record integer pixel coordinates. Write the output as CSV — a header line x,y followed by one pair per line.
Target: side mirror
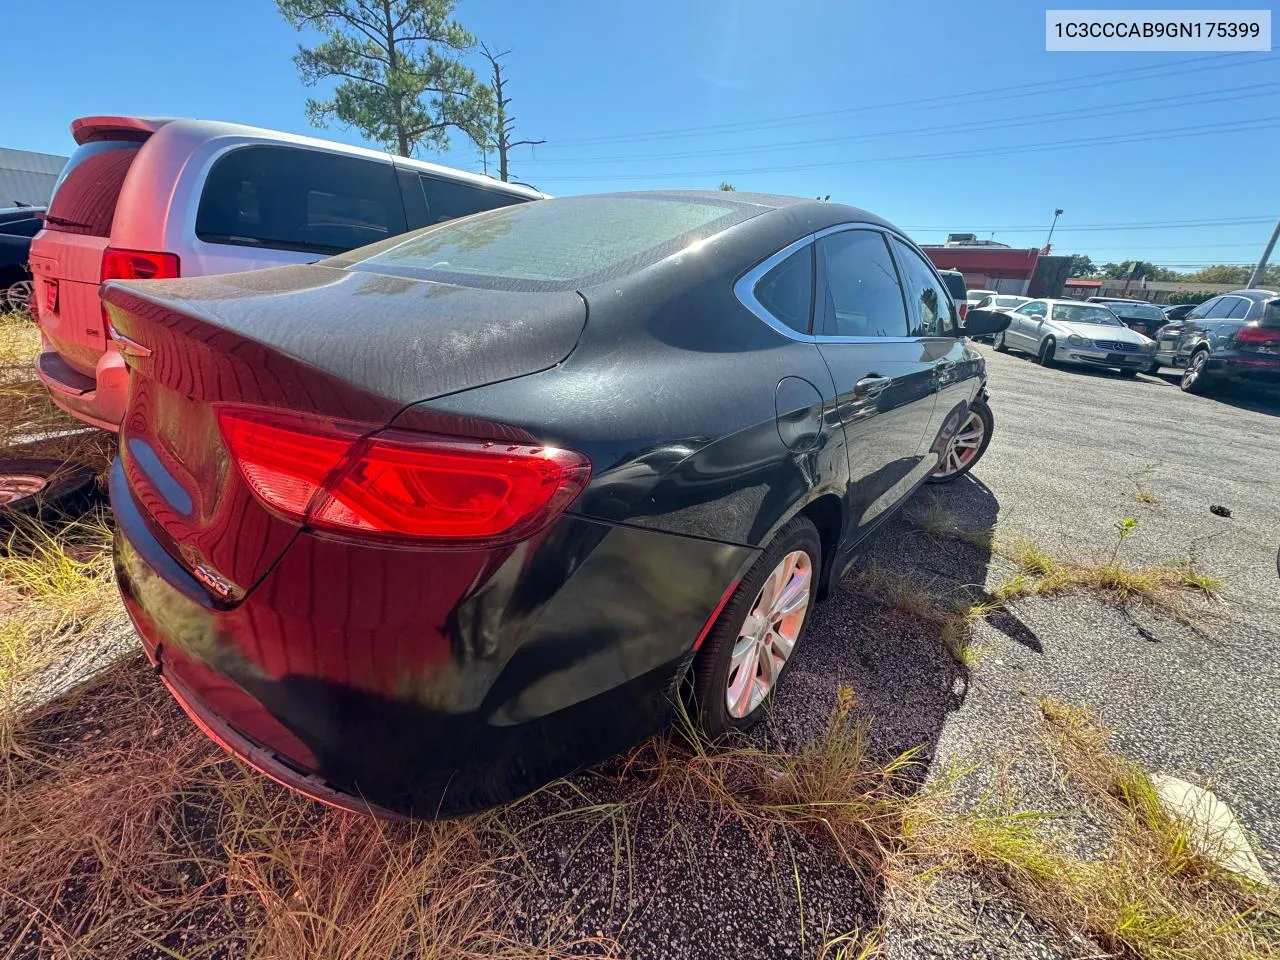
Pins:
x,y
983,323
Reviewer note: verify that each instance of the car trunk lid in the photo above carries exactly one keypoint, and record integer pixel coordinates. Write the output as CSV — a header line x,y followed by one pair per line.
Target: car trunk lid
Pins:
x,y
314,340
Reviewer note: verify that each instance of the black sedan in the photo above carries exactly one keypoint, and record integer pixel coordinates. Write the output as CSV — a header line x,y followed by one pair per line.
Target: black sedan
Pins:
x,y
419,527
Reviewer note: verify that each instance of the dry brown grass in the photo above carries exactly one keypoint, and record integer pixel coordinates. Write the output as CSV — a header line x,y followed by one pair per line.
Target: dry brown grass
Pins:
x,y
1149,895
124,831
31,427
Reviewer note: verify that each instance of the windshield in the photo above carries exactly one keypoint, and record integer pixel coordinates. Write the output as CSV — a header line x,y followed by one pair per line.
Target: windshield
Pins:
x,y
1138,311
1071,313
561,244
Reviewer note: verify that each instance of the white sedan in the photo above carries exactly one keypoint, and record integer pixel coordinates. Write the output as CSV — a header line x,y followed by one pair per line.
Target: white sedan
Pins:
x,y
1067,331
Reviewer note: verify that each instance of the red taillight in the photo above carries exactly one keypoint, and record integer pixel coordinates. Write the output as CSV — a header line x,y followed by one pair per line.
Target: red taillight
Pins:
x,y
396,484
964,311
1258,334
138,265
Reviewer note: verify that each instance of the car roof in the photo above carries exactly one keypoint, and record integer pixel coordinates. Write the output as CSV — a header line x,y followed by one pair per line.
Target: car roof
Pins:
x,y
191,131
1256,294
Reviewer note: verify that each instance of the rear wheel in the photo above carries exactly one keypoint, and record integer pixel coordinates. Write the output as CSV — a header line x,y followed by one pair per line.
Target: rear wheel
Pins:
x,y
1047,349
1000,345
33,486
967,445
749,648
16,298
1193,377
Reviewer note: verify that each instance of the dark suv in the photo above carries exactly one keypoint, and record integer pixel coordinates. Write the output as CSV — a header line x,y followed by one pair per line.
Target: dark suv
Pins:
x,y
1234,337
17,226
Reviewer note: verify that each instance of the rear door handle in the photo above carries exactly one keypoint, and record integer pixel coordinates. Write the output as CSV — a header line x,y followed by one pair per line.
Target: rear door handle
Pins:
x,y
871,385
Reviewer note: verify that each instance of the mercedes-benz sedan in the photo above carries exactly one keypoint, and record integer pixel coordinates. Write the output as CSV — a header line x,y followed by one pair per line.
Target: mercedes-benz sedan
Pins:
x,y
1071,332
418,528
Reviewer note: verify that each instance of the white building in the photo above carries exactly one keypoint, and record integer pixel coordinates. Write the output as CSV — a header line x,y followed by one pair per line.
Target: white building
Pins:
x,y
27,177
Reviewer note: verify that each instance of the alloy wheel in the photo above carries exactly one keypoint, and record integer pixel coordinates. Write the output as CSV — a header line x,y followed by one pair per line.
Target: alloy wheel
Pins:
x,y
18,296
769,634
1194,369
964,446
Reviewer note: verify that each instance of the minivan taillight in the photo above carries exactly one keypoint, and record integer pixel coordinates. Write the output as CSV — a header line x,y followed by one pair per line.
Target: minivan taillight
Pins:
x,y
120,264
395,484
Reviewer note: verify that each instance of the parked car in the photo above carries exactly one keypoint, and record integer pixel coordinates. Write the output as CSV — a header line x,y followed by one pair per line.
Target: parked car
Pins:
x,y
974,297
1234,338
954,281
579,448
1138,315
1001,302
17,226
143,199
1071,332
1178,310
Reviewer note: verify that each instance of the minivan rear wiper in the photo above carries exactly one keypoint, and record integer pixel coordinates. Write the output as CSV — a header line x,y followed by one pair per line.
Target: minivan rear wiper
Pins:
x,y
64,222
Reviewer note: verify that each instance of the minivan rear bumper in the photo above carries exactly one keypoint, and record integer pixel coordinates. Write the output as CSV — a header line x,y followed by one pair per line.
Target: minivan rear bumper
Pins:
x,y
98,400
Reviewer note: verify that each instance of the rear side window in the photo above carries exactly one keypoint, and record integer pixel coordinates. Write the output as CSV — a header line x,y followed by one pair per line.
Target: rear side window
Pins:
x,y
786,291
1271,314
84,198
288,198
447,199
861,293
1222,309
1239,308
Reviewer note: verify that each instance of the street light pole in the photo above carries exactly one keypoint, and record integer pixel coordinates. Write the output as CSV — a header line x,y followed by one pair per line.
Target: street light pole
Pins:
x,y
1056,214
1266,255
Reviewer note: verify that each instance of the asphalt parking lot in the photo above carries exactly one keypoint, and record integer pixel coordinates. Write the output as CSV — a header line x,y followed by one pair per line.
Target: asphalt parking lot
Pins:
x,y
1070,452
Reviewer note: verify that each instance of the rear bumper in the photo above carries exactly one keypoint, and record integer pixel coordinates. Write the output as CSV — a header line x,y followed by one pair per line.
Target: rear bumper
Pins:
x,y
1260,368
98,400
353,682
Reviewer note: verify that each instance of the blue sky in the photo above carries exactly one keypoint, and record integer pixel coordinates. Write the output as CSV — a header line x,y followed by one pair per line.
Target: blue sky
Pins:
x,y
872,102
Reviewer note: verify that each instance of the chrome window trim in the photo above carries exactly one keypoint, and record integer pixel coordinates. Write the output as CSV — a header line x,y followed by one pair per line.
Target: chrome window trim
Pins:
x,y
744,288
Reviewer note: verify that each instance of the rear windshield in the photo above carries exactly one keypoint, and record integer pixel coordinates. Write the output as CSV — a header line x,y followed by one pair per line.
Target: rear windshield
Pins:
x,y
1139,311
1070,313
288,198
1271,314
955,284
84,198
560,244
1010,301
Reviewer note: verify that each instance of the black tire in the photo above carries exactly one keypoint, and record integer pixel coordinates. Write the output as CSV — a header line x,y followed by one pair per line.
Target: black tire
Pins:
x,y
1153,369
38,487
1047,349
1125,372
981,408
998,342
1194,378
711,667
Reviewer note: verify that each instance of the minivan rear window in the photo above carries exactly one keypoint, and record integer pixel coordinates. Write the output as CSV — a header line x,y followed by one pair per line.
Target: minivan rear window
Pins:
x,y
448,199
289,198
84,198
560,244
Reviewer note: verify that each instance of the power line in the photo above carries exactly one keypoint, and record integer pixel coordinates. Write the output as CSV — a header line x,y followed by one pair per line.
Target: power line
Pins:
x,y
1108,226
1014,91
1252,91
1168,133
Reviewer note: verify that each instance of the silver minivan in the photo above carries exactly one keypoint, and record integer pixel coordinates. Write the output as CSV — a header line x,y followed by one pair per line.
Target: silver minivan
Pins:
x,y
150,199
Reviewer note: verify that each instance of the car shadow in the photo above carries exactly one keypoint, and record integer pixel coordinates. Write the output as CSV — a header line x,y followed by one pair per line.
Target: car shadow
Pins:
x,y
1242,396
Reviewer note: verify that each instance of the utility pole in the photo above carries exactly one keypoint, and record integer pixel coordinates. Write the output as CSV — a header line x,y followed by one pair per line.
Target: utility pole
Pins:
x,y
1056,214
1261,268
